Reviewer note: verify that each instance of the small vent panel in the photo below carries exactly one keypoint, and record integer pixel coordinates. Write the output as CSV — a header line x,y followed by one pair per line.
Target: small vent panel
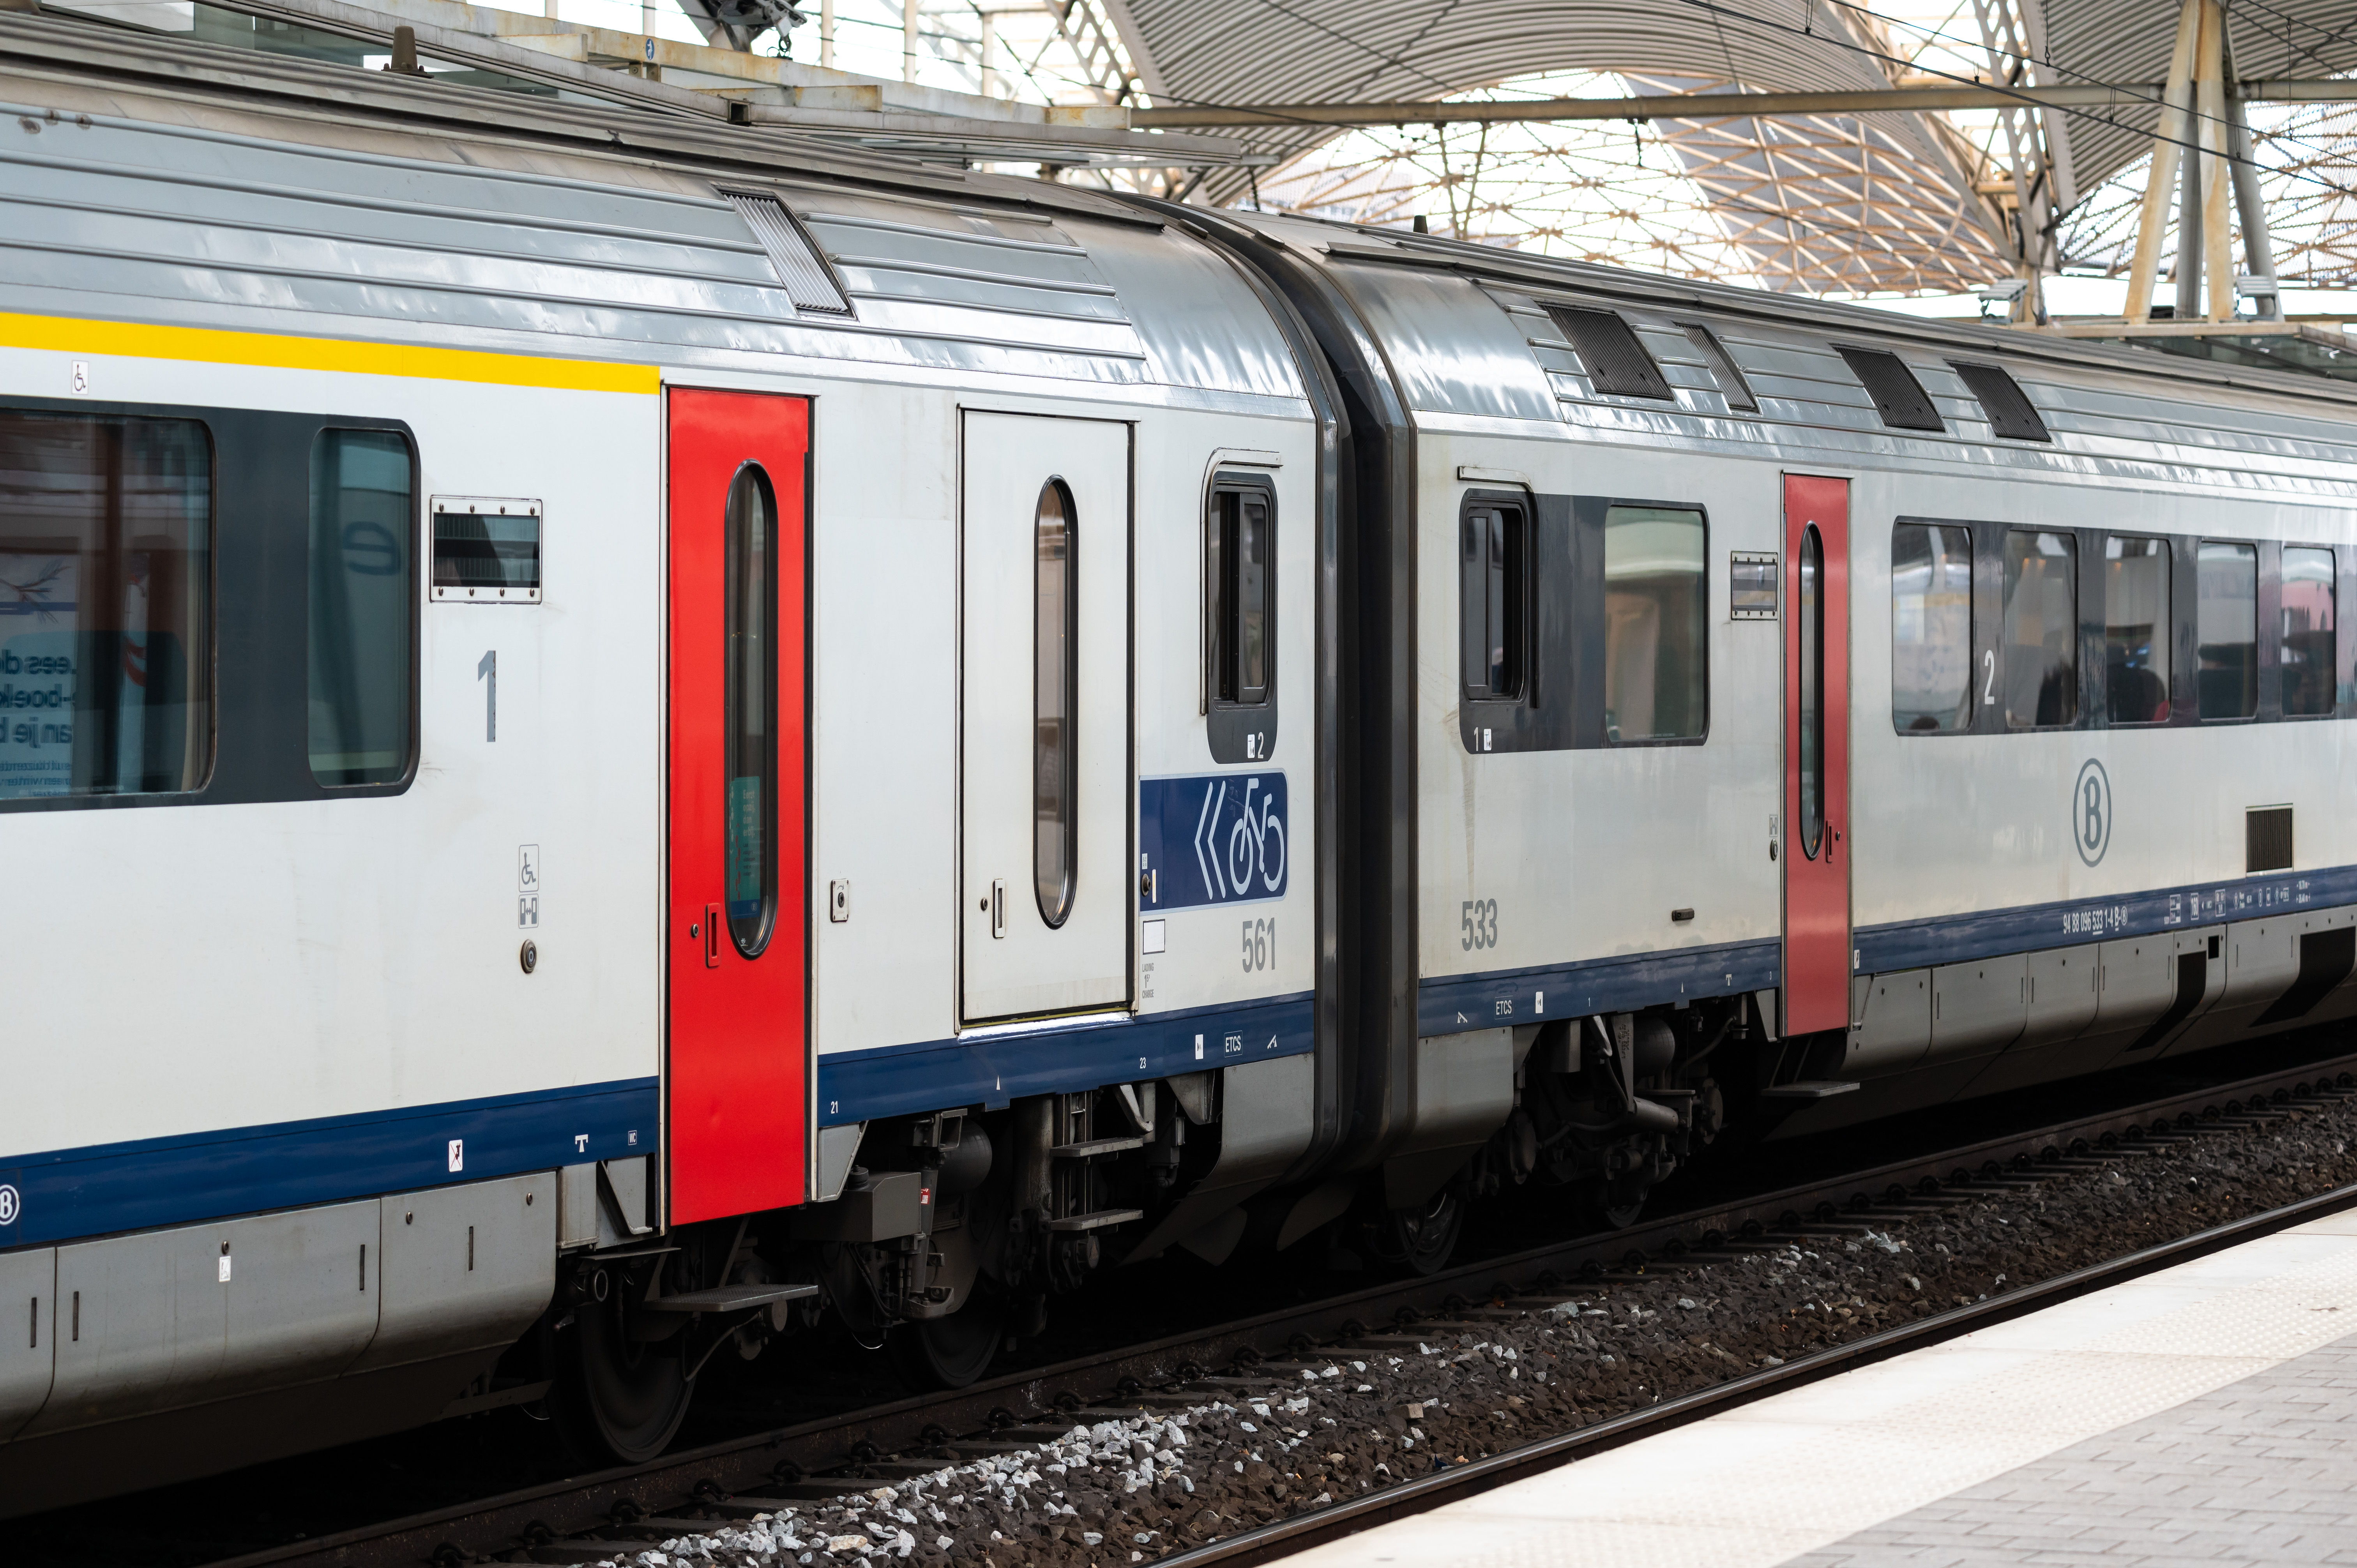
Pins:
x,y
2010,413
1609,351
808,282
2266,839
1723,368
1897,396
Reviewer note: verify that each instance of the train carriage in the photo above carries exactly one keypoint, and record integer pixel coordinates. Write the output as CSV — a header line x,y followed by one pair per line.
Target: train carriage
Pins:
x,y
619,733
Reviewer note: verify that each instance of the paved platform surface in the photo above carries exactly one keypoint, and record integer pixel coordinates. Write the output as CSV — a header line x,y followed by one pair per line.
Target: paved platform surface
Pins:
x,y
2263,1471
2204,1414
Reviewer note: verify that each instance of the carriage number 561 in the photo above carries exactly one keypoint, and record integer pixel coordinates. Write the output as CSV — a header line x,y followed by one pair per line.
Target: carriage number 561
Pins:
x,y
1260,938
1477,918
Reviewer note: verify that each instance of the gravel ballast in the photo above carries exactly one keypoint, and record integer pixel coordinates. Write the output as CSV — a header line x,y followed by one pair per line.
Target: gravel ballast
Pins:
x,y
1270,1440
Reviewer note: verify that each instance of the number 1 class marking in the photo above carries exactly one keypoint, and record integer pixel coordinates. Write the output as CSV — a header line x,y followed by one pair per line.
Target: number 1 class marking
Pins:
x,y
488,672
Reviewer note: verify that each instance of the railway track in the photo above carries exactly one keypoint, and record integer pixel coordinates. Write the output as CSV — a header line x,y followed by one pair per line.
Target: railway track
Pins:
x,y
622,1510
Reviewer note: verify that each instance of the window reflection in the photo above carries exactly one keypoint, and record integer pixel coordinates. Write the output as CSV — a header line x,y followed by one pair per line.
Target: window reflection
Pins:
x,y
2226,625
1495,595
363,598
1931,628
1810,629
2306,650
105,604
2040,629
1656,618
749,846
1055,700
1239,545
2136,630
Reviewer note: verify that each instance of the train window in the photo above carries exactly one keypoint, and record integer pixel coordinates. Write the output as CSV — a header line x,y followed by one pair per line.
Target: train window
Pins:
x,y
1810,630
1494,557
2226,629
1723,368
2136,630
2040,629
362,610
1897,396
1931,628
1055,632
1238,537
2306,649
1609,351
2010,413
1240,616
1656,624
749,839
105,604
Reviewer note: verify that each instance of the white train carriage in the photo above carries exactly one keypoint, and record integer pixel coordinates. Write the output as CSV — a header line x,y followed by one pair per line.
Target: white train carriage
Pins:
x,y
617,732
572,707
1839,716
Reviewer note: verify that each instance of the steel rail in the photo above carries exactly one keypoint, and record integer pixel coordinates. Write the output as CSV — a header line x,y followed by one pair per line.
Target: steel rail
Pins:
x,y
1283,1537
544,1514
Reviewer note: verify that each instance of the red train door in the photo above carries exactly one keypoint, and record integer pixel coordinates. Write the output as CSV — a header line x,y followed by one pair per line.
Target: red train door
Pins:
x,y
1817,754
737,1068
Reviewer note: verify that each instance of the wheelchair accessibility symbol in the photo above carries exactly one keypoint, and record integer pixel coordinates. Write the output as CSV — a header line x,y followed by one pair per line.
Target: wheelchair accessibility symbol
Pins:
x,y
2090,811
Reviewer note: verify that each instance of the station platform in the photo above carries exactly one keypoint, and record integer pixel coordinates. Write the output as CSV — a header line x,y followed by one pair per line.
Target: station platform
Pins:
x,y
2206,1413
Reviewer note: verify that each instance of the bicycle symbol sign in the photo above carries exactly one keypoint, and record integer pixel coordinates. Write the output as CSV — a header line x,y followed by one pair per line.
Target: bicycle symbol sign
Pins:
x,y
1216,838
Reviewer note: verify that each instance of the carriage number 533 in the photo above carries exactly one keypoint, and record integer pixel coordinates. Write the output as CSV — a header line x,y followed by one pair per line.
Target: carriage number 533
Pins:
x,y
1478,919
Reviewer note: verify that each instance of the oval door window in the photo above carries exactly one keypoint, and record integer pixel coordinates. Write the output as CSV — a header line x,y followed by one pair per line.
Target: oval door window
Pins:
x,y
1054,697
751,846
1810,626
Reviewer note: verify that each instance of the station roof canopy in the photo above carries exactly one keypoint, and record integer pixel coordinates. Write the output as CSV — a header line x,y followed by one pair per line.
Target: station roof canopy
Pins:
x,y
1919,189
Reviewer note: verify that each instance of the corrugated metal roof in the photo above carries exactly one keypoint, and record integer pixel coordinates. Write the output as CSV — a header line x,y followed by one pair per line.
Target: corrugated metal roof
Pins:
x,y
277,208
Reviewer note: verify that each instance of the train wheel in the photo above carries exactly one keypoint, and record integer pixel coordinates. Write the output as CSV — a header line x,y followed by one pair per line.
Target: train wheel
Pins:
x,y
1614,1202
1420,1240
954,1351
618,1397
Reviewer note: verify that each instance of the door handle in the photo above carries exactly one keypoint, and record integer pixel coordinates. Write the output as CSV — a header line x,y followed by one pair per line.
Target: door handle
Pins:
x,y
998,906
712,936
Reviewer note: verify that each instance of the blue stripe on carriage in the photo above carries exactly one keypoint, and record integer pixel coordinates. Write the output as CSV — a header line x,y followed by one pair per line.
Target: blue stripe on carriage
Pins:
x,y
891,1081
107,1187
1454,1003
1449,1004
2071,922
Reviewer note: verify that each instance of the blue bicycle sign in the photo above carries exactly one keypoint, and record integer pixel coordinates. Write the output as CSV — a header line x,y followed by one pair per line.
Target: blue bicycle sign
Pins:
x,y
1212,839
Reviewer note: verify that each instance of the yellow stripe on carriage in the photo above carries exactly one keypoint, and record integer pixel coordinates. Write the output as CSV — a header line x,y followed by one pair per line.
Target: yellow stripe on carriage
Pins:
x,y
213,346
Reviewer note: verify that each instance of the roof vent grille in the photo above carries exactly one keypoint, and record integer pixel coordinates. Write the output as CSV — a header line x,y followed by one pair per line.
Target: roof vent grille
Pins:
x,y
1897,396
808,282
2010,413
1609,351
1723,368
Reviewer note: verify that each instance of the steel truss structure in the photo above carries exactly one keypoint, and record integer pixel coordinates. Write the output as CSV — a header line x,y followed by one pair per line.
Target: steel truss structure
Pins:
x,y
1851,203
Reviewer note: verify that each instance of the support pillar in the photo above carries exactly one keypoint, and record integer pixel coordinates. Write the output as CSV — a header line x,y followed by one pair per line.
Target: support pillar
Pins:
x,y
2176,99
2217,239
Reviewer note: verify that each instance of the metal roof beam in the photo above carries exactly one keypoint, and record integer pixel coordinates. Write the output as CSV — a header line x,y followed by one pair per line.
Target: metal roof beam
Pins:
x,y
1714,105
